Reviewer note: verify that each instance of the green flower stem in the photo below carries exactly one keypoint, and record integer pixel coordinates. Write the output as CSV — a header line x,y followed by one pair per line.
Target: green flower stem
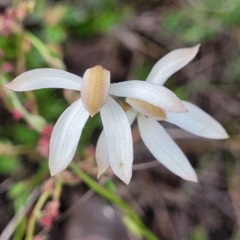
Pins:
x,y
53,61
20,61
57,189
32,221
143,230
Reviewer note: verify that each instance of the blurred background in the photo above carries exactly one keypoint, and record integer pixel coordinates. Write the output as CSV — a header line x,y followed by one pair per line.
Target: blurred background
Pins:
x,y
127,38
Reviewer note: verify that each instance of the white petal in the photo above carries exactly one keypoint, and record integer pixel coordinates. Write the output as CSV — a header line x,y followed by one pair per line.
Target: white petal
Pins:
x,y
171,63
131,115
164,149
146,109
198,122
119,139
152,93
65,136
101,148
45,78
102,154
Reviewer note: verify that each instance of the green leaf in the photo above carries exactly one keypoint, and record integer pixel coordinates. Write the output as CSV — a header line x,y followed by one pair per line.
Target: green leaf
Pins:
x,y
8,164
199,233
19,193
49,103
54,34
22,134
174,20
196,34
34,60
8,45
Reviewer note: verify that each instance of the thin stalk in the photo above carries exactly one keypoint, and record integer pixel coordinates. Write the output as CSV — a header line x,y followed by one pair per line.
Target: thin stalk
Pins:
x,y
57,189
32,221
144,231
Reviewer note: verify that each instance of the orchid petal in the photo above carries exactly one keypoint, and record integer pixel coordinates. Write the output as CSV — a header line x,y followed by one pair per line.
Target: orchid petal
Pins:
x,y
198,122
101,148
65,136
152,93
119,139
171,63
164,149
146,109
131,115
45,78
102,154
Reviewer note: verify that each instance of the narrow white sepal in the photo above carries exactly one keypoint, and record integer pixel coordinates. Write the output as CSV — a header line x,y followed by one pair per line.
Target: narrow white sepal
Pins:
x,y
131,115
171,63
164,149
152,93
119,139
101,148
102,154
198,122
45,78
65,136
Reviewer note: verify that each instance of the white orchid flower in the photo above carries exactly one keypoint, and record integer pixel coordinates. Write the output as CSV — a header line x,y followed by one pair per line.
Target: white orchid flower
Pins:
x,y
157,140
95,88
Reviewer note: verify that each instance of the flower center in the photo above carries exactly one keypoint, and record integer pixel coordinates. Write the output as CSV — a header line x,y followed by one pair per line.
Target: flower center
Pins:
x,y
147,109
95,88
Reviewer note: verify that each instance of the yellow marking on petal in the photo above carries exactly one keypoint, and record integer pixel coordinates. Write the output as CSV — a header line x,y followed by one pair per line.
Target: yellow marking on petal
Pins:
x,y
147,109
95,88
